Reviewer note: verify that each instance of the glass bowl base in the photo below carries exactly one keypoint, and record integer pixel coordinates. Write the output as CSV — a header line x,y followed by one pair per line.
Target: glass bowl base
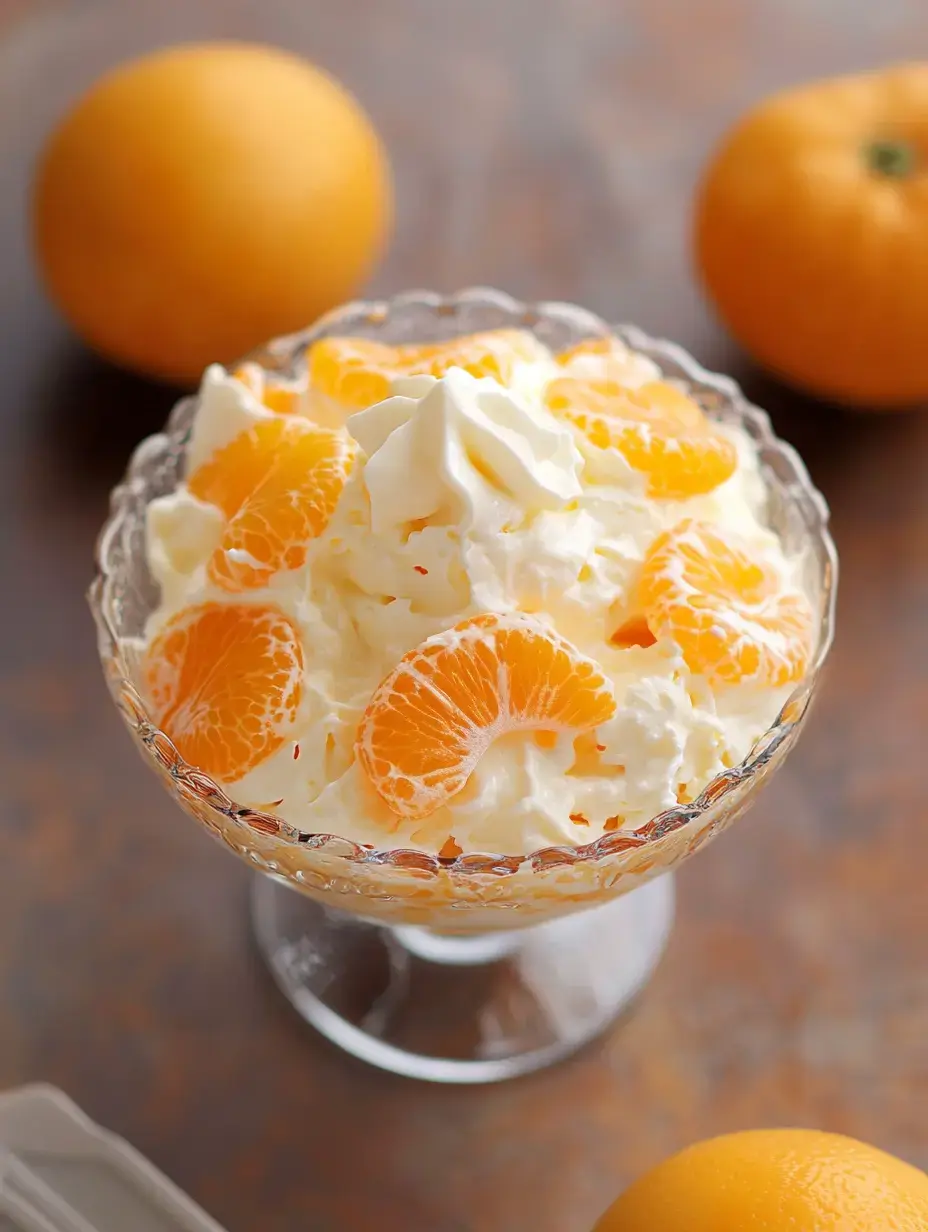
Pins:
x,y
461,1009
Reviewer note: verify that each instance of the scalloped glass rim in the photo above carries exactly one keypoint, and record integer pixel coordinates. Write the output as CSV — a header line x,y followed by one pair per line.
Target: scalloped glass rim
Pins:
x,y
720,395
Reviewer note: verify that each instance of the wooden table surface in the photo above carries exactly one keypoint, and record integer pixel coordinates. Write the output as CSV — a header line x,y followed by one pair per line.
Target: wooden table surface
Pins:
x,y
549,147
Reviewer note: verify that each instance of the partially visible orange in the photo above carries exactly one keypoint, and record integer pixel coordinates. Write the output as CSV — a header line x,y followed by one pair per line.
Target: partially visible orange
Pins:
x,y
811,236
203,199
775,1180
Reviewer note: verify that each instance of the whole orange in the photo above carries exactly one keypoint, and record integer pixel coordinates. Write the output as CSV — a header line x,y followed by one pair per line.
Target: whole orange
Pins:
x,y
811,236
775,1180
203,199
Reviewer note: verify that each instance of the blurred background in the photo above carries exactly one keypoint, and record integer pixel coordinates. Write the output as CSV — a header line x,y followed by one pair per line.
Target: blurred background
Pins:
x,y
552,148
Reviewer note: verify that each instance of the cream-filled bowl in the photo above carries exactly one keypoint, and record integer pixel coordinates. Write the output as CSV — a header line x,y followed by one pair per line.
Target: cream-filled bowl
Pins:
x,y
569,499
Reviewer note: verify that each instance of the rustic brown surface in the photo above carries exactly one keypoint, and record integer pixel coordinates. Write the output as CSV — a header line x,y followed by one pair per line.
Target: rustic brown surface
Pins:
x,y
548,146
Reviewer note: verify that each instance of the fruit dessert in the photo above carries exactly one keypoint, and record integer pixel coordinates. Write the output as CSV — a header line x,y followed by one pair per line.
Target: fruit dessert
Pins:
x,y
467,596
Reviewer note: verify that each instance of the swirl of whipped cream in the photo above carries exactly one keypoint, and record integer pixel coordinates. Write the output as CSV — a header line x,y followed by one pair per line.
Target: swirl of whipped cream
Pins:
x,y
467,453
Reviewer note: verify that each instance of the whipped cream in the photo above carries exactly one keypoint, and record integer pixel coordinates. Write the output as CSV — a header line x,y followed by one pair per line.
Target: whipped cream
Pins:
x,y
465,498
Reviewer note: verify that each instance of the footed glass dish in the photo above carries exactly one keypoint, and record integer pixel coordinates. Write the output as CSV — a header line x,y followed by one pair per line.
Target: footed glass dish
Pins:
x,y
488,965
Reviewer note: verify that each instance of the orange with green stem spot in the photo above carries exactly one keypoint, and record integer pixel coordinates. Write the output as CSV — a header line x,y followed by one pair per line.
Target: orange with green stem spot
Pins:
x,y
811,235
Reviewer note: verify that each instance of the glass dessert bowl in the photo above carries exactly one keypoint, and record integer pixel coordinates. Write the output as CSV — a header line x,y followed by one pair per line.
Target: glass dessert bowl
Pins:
x,y
430,960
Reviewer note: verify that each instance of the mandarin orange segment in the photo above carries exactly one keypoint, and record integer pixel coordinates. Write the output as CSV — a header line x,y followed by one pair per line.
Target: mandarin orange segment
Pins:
x,y
494,352
355,371
608,347
633,632
291,505
233,472
358,371
724,606
435,715
607,359
658,430
225,683
252,377
278,396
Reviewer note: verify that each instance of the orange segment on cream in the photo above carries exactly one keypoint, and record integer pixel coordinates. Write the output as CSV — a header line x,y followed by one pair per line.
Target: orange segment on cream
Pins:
x,y
486,591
